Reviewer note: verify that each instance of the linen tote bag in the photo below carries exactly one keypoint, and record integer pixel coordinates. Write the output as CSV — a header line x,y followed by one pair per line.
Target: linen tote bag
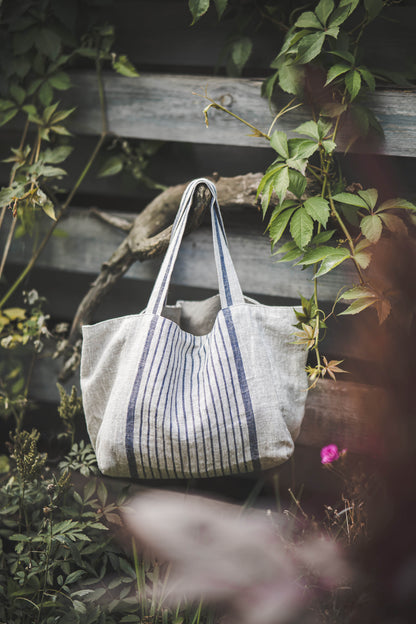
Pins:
x,y
200,389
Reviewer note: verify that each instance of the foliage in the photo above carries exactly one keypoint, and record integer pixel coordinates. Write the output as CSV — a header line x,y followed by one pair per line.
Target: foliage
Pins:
x,y
60,560
303,193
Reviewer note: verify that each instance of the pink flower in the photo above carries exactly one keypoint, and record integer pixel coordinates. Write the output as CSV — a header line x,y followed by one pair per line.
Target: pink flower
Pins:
x,y
331,453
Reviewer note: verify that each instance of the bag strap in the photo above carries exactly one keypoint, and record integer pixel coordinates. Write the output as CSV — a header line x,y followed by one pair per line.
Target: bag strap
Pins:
x,y
229,286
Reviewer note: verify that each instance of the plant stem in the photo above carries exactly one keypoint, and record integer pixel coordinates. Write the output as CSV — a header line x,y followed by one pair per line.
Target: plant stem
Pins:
x,y
348,236
68,201
218,106
3,212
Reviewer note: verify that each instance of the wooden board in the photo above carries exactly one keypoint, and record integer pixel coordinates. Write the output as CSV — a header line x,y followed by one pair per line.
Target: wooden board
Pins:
x,y
90,242
163,107
158,33
339,413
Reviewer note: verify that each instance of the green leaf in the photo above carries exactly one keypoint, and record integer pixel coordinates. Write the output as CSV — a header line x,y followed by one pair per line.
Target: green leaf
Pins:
x,y
324,128
22,42
111,166
339,16
220,5
318,209
353,83
394,223
310,128
310,46
123,66
8,115
48,42
61,130
102,492
335,71
198,8
373,7
287,203
301,227
371,227
358,292
60,81
398,202
291,78
52,172
281,183
324,10
370,196
268,85
279,225
308,20
291,255
344,54
49,111
329,146
322,237
333,31
359,305
333,109
368,77
56,155
297,183
45,94
315,255
17,93
332,260
301,149
6,104
363,258
350,199
49,210
240,51
61,115
278,142
74,576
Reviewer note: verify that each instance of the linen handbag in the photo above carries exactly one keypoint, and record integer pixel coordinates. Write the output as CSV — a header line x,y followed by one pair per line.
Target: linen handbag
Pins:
x,y
200,389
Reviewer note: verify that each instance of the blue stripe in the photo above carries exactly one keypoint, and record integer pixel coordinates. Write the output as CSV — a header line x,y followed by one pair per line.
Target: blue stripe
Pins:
x,y
183,404
169,413
166,340
245,393
129,437
207,416
222,407
198,376
224,274
165,411
217,431
180,369
191,378
237,462
243,446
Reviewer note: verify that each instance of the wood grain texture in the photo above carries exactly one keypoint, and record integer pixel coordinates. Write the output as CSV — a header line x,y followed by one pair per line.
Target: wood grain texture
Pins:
x,y
163,107
89,243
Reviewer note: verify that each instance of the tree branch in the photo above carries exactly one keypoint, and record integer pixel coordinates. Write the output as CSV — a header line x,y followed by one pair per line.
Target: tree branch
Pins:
x,y
149,237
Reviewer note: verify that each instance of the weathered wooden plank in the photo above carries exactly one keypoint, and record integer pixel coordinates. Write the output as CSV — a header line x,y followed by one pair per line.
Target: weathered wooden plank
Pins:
x,y
339,413
90,242
158,33
162,107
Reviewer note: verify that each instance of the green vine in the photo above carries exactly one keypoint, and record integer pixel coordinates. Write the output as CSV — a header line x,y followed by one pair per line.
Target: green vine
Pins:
x,y
303,194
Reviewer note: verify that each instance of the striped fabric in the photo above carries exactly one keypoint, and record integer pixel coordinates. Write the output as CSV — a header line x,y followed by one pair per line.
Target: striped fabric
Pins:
x,y
162,402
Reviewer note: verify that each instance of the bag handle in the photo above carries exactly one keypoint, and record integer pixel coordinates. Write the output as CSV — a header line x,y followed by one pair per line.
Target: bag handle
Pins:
x,y
229,286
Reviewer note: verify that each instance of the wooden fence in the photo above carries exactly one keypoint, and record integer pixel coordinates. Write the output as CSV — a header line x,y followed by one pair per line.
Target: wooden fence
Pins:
x,y
160,105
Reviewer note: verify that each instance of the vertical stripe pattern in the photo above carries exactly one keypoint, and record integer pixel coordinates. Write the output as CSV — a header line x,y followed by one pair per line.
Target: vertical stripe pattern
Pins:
x,y
189,411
